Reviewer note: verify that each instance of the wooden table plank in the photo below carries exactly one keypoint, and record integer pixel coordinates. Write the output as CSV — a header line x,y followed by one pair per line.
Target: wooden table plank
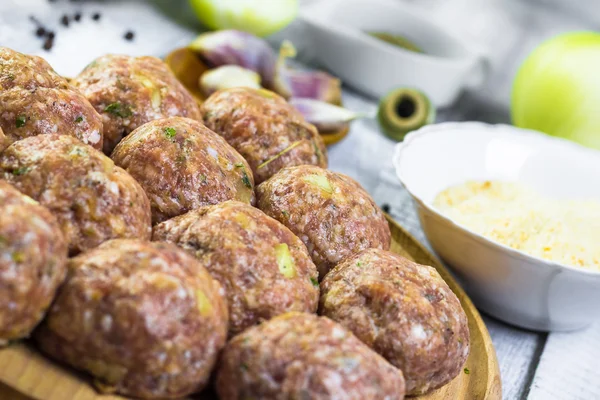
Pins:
x,y
568,368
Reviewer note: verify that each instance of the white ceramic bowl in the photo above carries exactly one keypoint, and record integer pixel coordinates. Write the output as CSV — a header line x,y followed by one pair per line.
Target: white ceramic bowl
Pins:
x,y
337,30
520,289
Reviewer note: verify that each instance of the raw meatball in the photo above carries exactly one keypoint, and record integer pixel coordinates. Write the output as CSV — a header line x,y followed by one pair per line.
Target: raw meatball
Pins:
x,y
130,91
332,214
145,319
264,268
303,356
404,311
33,254
92,199
35,100
265,129
182,165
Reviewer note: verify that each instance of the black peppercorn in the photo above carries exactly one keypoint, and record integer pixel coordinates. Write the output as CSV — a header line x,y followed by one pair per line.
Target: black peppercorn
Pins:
x,y
129,35
48,43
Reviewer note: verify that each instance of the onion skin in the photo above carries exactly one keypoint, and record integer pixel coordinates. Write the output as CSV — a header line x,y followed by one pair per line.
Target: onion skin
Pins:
x,y
557,89
231,47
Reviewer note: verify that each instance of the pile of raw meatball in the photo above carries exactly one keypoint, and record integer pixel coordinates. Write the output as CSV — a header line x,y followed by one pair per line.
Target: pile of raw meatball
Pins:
x,y
136,246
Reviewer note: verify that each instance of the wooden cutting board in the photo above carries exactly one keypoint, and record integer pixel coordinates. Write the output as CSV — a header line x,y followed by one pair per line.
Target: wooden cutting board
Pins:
x,y
26,375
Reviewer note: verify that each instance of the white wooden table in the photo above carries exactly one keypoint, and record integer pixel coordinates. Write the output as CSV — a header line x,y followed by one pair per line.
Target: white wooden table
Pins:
x,y
535,366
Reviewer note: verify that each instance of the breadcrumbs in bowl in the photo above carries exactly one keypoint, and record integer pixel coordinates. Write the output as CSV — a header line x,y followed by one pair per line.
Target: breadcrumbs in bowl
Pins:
x,y
562,231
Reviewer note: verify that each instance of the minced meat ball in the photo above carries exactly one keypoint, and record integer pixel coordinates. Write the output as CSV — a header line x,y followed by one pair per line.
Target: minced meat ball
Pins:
x,y
303,356
93,199
264,268
33,253
404,311
330,212
35,100
143,318
265,129
130,91
183,165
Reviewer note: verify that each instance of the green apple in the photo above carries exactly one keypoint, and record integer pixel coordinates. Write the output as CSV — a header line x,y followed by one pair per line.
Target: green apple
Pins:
x,y
557,89
259,17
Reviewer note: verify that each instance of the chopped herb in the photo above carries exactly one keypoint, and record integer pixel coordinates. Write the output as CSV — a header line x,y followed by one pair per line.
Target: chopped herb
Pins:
x,y
180,158
20,121
91,65
246,180
285,213
282,152
119,110
79,119
77,151
170,132
120,84
314,281
18,256
317,151
239,165
358,264
20,171
131,204
202,178
11,77
466,371
3,240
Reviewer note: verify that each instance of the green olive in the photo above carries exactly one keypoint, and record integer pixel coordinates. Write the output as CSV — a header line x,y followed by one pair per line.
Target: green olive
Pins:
x,y
403,110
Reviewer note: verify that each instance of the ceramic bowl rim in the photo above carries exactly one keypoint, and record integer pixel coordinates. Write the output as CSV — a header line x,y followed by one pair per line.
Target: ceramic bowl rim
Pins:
x,y
489,128
354,34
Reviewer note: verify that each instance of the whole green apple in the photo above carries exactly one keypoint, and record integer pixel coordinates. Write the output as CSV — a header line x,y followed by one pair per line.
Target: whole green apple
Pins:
x,y
557,89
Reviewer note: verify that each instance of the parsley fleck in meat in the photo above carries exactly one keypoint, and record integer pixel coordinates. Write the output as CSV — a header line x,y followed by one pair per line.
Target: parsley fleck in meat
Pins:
x,y
170,132
21,120
20,171
246,180
118,109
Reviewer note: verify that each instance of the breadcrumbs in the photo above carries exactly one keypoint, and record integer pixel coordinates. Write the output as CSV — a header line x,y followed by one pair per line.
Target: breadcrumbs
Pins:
x,y
563,231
